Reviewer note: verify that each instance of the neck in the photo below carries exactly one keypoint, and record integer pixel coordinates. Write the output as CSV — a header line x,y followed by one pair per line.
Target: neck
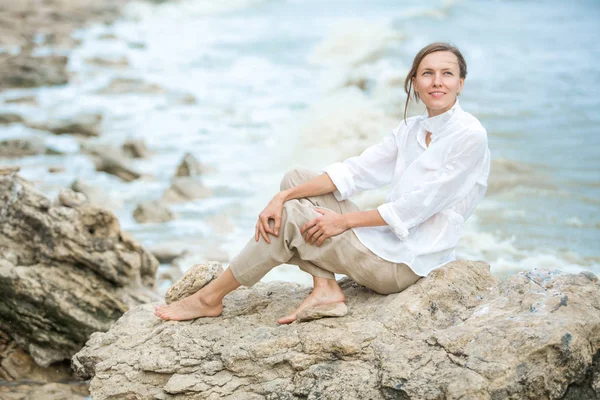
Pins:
x,y
434,113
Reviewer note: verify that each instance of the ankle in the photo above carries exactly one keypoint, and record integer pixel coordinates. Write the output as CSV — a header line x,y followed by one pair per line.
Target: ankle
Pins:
x,y
209,299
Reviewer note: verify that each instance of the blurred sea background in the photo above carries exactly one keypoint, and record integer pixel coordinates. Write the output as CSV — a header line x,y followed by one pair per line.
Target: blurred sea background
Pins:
x,y
304,83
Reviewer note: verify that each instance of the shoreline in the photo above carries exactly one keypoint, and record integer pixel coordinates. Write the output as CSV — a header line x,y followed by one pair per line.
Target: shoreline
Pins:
x,y
29,29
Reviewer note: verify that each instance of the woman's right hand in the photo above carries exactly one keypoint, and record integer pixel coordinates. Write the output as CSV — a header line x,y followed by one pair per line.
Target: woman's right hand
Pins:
x,y
273,211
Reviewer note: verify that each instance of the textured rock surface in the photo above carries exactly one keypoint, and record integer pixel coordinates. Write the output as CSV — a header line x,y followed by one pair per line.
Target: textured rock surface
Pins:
x,y
458,334
65,272
326,310
193,280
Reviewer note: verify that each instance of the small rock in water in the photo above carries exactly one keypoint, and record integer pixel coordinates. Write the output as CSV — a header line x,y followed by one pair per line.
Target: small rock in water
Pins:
x,y
135,149
322,311
152,211
105,62
185,189
189,166
56,169
6,118
30,100
88,125
194,279
128,85
96,195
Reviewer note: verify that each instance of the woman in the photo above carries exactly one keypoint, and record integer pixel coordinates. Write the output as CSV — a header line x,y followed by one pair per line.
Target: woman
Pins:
x,y
437,165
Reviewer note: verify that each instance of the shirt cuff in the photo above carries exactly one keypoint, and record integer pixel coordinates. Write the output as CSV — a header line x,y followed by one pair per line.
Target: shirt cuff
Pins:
x,y
342,179
395,223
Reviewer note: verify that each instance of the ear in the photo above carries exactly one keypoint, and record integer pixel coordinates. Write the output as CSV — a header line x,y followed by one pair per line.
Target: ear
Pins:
x,y
414,85
461,84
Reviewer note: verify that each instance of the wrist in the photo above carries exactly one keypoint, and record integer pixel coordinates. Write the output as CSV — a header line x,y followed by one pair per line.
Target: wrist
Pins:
x,y
346,221
283,196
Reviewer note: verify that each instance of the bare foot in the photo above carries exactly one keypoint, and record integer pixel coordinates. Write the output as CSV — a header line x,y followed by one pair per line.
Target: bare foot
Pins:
x,y
319,296
189,308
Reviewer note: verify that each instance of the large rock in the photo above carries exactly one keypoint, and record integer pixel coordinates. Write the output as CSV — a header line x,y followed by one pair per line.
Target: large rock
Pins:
x,y
65,272
459,333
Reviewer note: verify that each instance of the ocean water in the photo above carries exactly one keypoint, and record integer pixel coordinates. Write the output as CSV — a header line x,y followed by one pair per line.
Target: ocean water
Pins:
x,y
303,83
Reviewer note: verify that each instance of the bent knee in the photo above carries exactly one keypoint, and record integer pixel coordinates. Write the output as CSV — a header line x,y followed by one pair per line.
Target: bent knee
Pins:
x,y
294,177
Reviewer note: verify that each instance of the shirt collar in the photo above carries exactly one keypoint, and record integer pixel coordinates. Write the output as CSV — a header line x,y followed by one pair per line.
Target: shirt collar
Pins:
x,y
436,124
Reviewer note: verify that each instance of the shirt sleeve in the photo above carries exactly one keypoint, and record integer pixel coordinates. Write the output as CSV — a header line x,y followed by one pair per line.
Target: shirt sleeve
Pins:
x,y
372,169
441,184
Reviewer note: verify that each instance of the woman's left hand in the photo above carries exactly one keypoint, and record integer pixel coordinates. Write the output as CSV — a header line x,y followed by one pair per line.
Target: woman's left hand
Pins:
x,y
328,224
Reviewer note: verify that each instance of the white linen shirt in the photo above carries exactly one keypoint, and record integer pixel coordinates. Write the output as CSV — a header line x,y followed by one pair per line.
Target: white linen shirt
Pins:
x,y
433,189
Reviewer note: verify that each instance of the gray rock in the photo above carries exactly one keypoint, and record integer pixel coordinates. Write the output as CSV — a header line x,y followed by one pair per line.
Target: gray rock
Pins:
x,y
189,166
23,147
110,160
193,280
25,70
184,189
7,118
96,195
326,310
130,85
87,125
64,272
459,333
70,198
152,211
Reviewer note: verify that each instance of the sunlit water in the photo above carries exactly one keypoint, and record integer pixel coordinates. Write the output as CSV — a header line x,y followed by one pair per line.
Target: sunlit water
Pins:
x,y
276,88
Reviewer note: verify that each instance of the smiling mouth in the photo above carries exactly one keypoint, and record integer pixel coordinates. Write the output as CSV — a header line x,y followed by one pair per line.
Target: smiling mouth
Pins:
x,y
437,93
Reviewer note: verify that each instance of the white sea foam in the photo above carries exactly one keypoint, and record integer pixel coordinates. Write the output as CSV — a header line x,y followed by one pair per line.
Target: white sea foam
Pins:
x,y
354,43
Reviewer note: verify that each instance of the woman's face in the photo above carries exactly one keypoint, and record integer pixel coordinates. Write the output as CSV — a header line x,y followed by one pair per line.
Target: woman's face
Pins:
x,y
438,81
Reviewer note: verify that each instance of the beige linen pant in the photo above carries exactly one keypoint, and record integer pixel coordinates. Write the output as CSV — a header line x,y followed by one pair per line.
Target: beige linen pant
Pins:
x,y
340,254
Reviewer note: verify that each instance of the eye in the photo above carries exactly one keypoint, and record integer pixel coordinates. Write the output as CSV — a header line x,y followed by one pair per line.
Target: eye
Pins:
x,y
427,73
448,73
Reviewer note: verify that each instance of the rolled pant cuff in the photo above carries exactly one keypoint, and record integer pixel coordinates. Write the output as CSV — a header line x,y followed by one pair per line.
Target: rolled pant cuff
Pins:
x,y
239,276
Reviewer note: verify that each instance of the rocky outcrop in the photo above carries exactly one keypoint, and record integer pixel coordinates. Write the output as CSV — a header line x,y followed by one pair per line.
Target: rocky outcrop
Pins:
x,y
66,270
459,333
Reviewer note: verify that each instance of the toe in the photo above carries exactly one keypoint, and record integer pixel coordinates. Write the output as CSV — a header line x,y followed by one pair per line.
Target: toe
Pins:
x,y
288,319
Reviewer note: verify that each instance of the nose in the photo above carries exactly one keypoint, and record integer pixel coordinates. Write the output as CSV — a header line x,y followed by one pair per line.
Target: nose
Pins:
x,y
437,80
